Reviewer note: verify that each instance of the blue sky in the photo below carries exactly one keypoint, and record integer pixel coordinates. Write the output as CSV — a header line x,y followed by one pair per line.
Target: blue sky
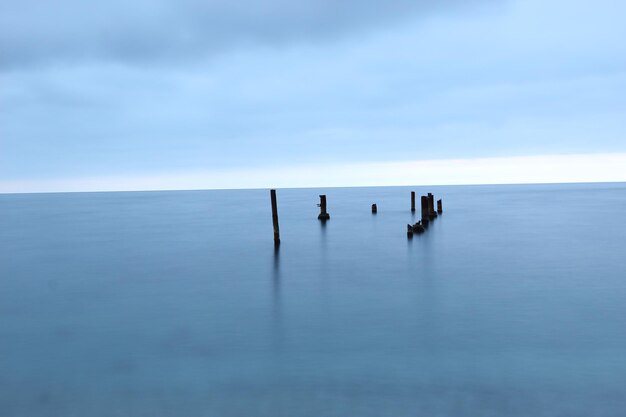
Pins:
x,y
207,94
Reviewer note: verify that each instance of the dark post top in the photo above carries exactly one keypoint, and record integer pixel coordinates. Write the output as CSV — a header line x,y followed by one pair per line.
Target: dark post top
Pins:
x,y
323,203
275,217
323,213
431,206
425,211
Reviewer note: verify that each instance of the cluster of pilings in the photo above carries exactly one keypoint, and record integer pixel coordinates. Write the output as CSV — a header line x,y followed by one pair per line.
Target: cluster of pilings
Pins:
x,y
428,213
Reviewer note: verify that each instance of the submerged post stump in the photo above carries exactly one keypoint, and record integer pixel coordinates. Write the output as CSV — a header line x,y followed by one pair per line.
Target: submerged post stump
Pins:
x,y
431,206
414,228
412,201
425,211
323,213
374,209
275,218
439,207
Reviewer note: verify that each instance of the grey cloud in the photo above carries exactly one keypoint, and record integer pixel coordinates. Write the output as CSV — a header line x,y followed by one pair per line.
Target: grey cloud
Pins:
x,y
43,31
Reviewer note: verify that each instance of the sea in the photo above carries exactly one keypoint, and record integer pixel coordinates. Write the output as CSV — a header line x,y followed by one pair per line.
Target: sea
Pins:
x,y
177,303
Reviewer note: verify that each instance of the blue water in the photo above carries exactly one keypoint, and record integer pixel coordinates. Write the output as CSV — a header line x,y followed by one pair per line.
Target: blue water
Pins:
x,y
513,303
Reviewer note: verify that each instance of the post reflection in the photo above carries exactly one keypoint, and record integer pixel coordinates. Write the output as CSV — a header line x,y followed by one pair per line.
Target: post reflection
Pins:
x,y
276,271
276,302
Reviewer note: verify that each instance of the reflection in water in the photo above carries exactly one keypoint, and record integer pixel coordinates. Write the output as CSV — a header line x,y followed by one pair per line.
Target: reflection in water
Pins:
x,y
323,231
276,271
323,248
324,280
277,331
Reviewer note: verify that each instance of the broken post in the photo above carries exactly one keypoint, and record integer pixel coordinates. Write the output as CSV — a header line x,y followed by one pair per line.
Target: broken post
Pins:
x,y
323,213
412,201
439,207
425,211
275,218
374,209
431,206
414,228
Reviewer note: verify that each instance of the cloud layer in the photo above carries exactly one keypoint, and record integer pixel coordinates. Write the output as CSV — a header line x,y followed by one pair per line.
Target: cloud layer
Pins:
x,y
111,91
39,31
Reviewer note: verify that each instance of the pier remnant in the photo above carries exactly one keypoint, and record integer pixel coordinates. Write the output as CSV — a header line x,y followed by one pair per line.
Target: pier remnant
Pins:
x,y
374,209
425,211
323,213
439,207
431,206
275,218
414,228
412,201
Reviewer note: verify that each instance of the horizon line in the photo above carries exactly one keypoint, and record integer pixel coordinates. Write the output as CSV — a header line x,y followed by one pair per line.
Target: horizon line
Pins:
x,y
308,187
511,170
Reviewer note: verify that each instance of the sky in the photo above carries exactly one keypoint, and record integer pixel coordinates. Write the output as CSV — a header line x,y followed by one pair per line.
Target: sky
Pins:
x,y
187,94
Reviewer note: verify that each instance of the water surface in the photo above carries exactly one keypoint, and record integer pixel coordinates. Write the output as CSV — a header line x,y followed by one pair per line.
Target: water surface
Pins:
x,y
176,304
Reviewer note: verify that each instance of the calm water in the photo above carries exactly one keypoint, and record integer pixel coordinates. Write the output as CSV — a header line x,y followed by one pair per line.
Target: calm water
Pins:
x,y
175,304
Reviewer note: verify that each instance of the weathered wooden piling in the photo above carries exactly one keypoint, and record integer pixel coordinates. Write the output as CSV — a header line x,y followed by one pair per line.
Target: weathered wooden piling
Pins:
x,y
374,209
275,218
412,201
323,213
414,228
431,206
439,207
425,211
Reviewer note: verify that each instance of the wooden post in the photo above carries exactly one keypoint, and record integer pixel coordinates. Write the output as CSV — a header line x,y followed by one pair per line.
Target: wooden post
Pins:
x,y
431,206
425,211
439,207
412,201
323,213
275,218
374,209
